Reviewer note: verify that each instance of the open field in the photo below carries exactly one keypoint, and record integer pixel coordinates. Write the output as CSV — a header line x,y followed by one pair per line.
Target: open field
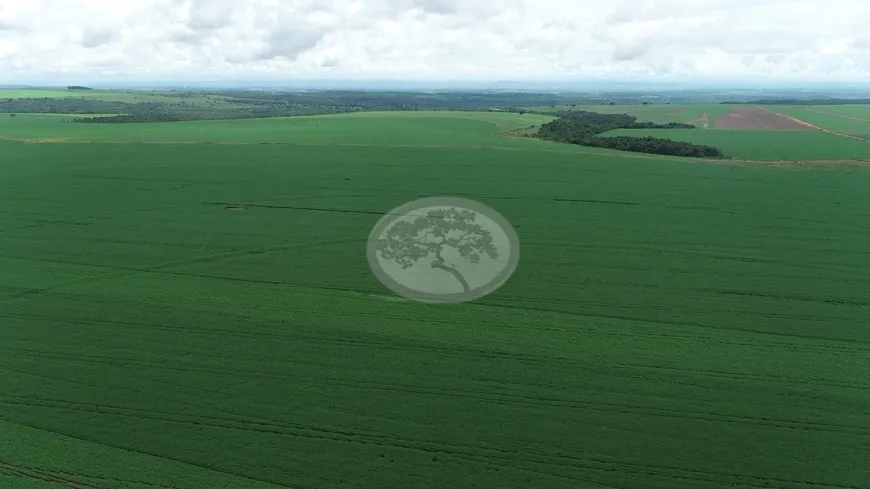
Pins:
x,y
672,324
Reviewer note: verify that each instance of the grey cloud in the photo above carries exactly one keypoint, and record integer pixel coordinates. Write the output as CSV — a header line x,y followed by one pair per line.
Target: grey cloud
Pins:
x,y
289,43
8,26
184,35
15,25
209,22
630,52
631,41
632,11
329,62
741,41
560,25
211,14
441,7
98,37
446,8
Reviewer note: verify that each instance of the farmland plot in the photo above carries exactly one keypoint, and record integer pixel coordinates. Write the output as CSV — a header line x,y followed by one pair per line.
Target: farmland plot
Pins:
x,y
671,325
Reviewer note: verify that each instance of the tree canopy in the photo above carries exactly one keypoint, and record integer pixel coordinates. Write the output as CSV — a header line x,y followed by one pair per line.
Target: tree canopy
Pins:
x,y
585,128
427,237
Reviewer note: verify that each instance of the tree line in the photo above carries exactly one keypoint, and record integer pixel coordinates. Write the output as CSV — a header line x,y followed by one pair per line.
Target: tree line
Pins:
x,y
585,129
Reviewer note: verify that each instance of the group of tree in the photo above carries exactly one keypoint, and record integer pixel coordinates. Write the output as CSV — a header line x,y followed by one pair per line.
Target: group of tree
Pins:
x,y
128,118
658,146
585,129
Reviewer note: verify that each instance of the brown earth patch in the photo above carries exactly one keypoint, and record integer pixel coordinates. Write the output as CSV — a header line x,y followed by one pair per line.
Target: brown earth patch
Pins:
x,y
759,119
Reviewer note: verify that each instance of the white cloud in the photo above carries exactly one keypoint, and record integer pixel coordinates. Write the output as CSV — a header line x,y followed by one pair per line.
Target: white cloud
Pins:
x,y
495,39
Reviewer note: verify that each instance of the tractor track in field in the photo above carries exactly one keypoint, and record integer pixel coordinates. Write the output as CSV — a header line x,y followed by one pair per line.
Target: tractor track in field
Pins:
x,y
818,128
444,146
843,116
530,459
48,476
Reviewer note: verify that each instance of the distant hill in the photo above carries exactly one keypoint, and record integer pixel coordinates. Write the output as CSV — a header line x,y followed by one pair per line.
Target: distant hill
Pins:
x,y
78,88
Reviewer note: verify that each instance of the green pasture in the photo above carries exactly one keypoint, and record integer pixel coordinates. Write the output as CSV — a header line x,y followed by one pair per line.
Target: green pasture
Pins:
x,y
764,145
671,325
826,121
859,111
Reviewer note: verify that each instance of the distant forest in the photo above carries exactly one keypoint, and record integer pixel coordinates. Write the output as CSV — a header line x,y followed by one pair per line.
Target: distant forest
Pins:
x,y
241,104
187,105
584,128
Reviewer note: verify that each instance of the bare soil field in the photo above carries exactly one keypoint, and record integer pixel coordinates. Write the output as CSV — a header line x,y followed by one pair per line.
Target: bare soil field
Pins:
x,y
756,119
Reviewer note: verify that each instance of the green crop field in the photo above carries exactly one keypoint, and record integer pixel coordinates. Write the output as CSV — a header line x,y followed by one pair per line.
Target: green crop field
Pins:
x,y
826,121
859,111
366,127
672,324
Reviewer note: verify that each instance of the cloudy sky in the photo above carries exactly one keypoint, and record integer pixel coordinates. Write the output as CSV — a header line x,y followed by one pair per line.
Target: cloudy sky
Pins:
x,y
459,39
